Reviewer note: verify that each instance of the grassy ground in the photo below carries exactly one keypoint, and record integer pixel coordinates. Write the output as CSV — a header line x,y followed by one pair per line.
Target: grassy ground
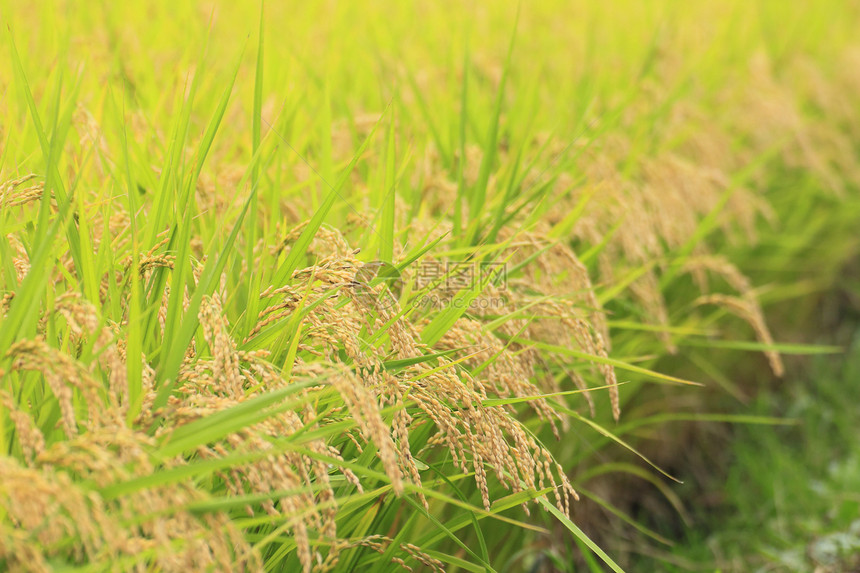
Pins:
x,y
372,287
787,495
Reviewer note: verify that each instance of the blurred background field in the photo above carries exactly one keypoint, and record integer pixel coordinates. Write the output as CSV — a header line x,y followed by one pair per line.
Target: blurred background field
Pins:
x,y
197,373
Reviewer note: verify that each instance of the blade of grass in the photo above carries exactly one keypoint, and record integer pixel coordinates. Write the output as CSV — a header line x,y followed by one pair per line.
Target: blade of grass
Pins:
x,y
299,249
479,191
580,535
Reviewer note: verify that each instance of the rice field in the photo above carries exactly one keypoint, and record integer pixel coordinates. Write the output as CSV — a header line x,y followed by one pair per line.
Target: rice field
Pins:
x,y
424,287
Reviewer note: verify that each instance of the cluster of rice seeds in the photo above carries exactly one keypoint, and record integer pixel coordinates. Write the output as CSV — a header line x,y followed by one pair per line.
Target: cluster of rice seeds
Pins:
x,y
208,385
90,138
438,190
505,372
330,327
142,529
549,266
661,202
562,307
216,383
769,111
453,400
364,408
326,242
563,324
491,436
211,196
12,194
661,208
569,311
570,302
21,260
380,544
44,508
745,305
30,438
748,309
83,321
701,267
6,302
478,437
63,375
663,198
347,134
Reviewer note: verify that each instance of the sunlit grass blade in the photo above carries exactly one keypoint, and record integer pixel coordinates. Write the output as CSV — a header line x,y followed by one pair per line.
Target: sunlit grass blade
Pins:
x,y
298,249
169,369
478,193
523,399
580,535
781,347
621,365
386,228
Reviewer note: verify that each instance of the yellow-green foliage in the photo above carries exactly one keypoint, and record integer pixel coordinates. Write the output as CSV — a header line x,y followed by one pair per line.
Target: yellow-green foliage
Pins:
x,y
199,366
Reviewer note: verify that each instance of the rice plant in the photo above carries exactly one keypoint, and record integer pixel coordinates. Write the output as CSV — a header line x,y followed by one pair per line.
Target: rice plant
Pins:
x,y
372,288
